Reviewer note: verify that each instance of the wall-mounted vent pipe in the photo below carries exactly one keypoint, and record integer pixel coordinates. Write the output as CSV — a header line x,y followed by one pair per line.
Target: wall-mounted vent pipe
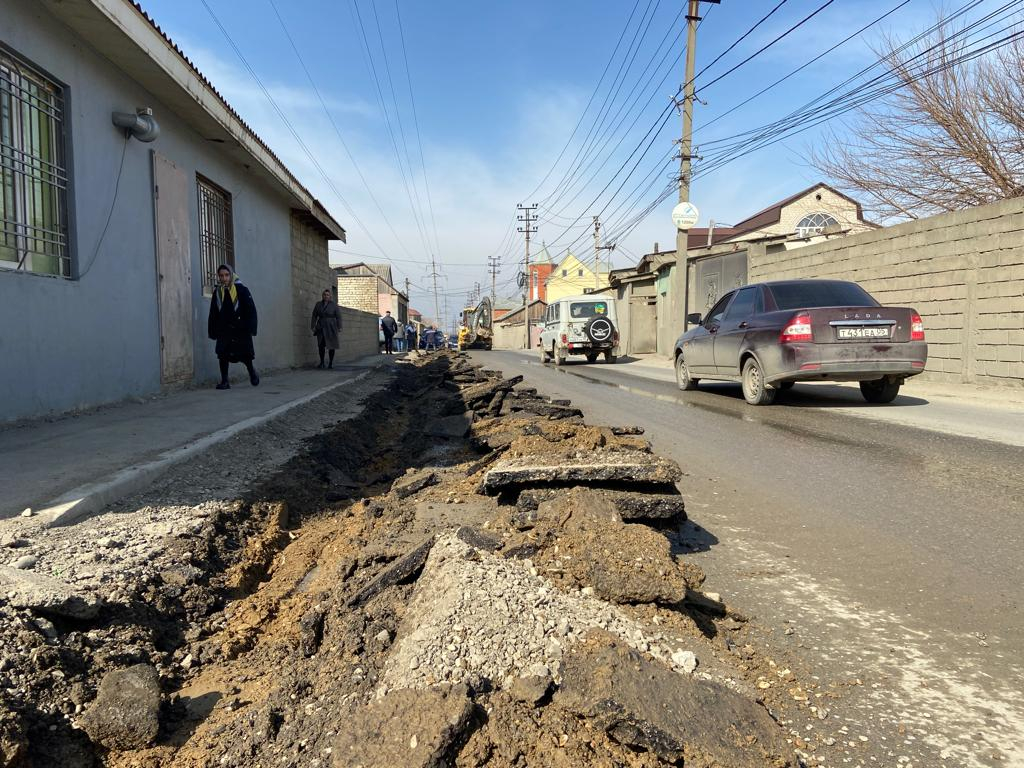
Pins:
x,y
141,124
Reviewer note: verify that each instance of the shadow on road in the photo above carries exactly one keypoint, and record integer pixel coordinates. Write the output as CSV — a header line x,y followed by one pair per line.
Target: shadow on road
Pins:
x,y
815,396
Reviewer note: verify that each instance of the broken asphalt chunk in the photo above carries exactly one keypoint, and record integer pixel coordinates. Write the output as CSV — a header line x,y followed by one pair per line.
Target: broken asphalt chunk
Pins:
x,y
413,482
600,466
403,569
38,592
631,505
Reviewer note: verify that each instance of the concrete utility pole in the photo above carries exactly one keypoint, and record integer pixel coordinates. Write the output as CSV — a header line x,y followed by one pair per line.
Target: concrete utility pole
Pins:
x,y
493,264
685,153
437,304
597,253
527,216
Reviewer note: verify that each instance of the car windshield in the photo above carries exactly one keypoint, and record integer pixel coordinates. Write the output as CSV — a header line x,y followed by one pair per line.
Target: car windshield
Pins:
x,y
814,294
579,310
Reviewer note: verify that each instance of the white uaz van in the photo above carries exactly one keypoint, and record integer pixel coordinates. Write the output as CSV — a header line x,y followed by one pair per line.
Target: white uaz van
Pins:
x,y
580,325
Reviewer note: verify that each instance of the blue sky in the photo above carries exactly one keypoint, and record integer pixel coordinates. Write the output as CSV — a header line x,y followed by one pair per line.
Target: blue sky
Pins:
x,y
498,88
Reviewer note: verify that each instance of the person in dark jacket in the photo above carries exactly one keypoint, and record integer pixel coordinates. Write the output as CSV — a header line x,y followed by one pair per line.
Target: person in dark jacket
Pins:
x,y
232,325
326,326
410,337
389,325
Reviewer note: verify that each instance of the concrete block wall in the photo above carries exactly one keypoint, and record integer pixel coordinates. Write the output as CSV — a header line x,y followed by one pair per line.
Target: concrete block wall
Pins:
x,y
359,336
358,292
963,271
311,276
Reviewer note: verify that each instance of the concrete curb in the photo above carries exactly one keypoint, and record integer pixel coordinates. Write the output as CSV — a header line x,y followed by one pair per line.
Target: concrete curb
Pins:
x,y
89,499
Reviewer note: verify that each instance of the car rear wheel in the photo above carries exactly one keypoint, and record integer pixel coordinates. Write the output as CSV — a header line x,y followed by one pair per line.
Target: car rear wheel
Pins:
x,y
881,391
610,358
592,357
558,355
683,379
544,356
755,391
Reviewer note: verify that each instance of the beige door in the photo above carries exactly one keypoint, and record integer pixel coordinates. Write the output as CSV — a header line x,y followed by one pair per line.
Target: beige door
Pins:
x,y
174,270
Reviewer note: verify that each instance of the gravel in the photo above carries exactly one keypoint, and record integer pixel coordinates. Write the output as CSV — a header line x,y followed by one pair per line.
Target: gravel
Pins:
x,y
475,616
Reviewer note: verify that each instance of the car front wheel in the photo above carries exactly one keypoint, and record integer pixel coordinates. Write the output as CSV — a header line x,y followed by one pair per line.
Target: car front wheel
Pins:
x,y
683,379
881,391
755,391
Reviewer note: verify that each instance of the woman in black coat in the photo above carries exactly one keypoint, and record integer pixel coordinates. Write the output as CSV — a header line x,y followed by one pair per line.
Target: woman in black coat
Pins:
x,y
232,324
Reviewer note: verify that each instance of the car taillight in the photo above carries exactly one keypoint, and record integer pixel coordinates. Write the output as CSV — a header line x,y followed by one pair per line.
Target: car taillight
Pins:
x,y
565,338
916,328
798,329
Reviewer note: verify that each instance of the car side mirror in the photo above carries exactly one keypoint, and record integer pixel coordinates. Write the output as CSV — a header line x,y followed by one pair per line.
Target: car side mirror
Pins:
x,y
694,319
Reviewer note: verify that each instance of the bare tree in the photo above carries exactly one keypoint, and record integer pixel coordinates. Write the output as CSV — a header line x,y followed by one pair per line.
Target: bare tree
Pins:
x,y
951,137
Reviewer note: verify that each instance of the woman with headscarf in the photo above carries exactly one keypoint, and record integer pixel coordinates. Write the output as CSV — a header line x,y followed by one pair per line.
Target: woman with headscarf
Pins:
x,y
326,326
232,324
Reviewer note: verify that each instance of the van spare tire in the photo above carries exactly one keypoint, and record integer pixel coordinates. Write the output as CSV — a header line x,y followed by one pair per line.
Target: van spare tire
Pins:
x,y
599,329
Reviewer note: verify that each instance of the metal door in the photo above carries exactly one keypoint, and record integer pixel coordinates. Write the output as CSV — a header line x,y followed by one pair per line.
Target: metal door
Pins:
x,y
174,270
643,325
718,275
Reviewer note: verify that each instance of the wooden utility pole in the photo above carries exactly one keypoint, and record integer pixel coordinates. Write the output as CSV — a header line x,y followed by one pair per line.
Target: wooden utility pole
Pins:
x,y
685,156
527,216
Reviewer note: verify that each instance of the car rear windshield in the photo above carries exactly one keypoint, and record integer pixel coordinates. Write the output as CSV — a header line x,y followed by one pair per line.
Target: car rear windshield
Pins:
x,y
581,309
808,295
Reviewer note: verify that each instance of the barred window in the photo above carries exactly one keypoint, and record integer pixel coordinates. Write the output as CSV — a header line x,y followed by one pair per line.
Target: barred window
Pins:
x,y
33,177
216,232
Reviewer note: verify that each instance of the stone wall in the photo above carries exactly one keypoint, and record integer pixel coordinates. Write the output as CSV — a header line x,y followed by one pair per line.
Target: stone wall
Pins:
x,y
963,271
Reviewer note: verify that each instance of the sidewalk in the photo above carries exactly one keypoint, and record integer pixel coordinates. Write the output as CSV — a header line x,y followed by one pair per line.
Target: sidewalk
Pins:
x,y
72,466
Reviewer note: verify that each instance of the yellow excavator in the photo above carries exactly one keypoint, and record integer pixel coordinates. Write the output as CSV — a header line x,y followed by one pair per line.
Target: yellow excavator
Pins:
x,y
477,331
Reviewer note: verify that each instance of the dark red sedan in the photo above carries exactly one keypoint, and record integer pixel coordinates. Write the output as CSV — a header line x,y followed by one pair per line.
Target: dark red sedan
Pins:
x,y
768,336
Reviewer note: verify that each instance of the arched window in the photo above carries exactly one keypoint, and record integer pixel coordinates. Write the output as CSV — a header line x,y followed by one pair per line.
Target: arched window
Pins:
x,y
814,224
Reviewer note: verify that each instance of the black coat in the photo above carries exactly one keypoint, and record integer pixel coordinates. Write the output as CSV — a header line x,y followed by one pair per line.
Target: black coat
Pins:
x,y
233,324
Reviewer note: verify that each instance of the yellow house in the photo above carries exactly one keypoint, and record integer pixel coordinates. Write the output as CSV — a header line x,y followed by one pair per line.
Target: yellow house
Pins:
x,y
572,277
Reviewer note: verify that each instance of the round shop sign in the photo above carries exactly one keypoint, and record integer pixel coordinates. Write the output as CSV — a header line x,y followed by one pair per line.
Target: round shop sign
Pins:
x,y
685,215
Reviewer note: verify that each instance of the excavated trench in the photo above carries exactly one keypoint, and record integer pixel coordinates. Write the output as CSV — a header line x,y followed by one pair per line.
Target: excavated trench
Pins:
x,y
436,581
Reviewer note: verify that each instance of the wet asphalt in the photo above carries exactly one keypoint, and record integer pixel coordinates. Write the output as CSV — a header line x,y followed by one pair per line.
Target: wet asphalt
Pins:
x,y
896,551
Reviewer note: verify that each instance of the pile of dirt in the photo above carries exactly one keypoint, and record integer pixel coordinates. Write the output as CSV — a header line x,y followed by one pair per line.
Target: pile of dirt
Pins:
x,y
405,591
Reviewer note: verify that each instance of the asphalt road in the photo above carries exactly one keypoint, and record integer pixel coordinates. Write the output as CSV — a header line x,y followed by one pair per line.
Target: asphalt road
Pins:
x,y
876,551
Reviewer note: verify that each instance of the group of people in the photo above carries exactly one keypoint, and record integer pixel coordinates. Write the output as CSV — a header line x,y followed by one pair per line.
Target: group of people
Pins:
x,y
232,324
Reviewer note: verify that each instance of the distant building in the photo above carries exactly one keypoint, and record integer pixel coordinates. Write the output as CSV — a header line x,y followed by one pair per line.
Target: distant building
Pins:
x,y
540,269
370,288
572,277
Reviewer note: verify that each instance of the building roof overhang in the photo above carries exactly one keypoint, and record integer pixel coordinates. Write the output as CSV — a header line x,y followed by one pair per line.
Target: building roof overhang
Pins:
x,y
125,34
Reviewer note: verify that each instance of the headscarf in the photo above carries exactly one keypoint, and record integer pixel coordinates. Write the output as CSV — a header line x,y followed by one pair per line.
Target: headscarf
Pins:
x,y
231,290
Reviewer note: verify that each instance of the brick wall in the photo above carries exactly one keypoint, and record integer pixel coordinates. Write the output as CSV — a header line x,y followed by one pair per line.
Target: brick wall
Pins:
x,y
311,276
963,271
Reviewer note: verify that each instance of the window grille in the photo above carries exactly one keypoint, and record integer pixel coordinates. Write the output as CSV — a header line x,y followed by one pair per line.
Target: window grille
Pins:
x,y
33,177
815,224
216,232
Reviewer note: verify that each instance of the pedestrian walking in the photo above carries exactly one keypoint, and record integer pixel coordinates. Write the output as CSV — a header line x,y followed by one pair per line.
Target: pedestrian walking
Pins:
x,y
390,328
410,336
232,324
326,326
431,339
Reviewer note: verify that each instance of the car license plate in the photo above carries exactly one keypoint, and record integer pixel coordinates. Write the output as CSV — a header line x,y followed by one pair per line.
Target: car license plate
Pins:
x,y
866,332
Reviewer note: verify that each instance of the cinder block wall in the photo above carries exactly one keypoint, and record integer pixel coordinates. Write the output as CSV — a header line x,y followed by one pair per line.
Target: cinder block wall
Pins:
x,y
963,271
359,336
311,276
358,292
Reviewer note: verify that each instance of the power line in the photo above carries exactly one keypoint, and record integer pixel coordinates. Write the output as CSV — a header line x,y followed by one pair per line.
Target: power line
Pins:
x,y
290,127
337,131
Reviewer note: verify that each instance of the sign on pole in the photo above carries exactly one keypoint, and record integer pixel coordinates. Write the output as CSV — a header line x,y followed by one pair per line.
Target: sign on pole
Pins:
x,y
685,215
